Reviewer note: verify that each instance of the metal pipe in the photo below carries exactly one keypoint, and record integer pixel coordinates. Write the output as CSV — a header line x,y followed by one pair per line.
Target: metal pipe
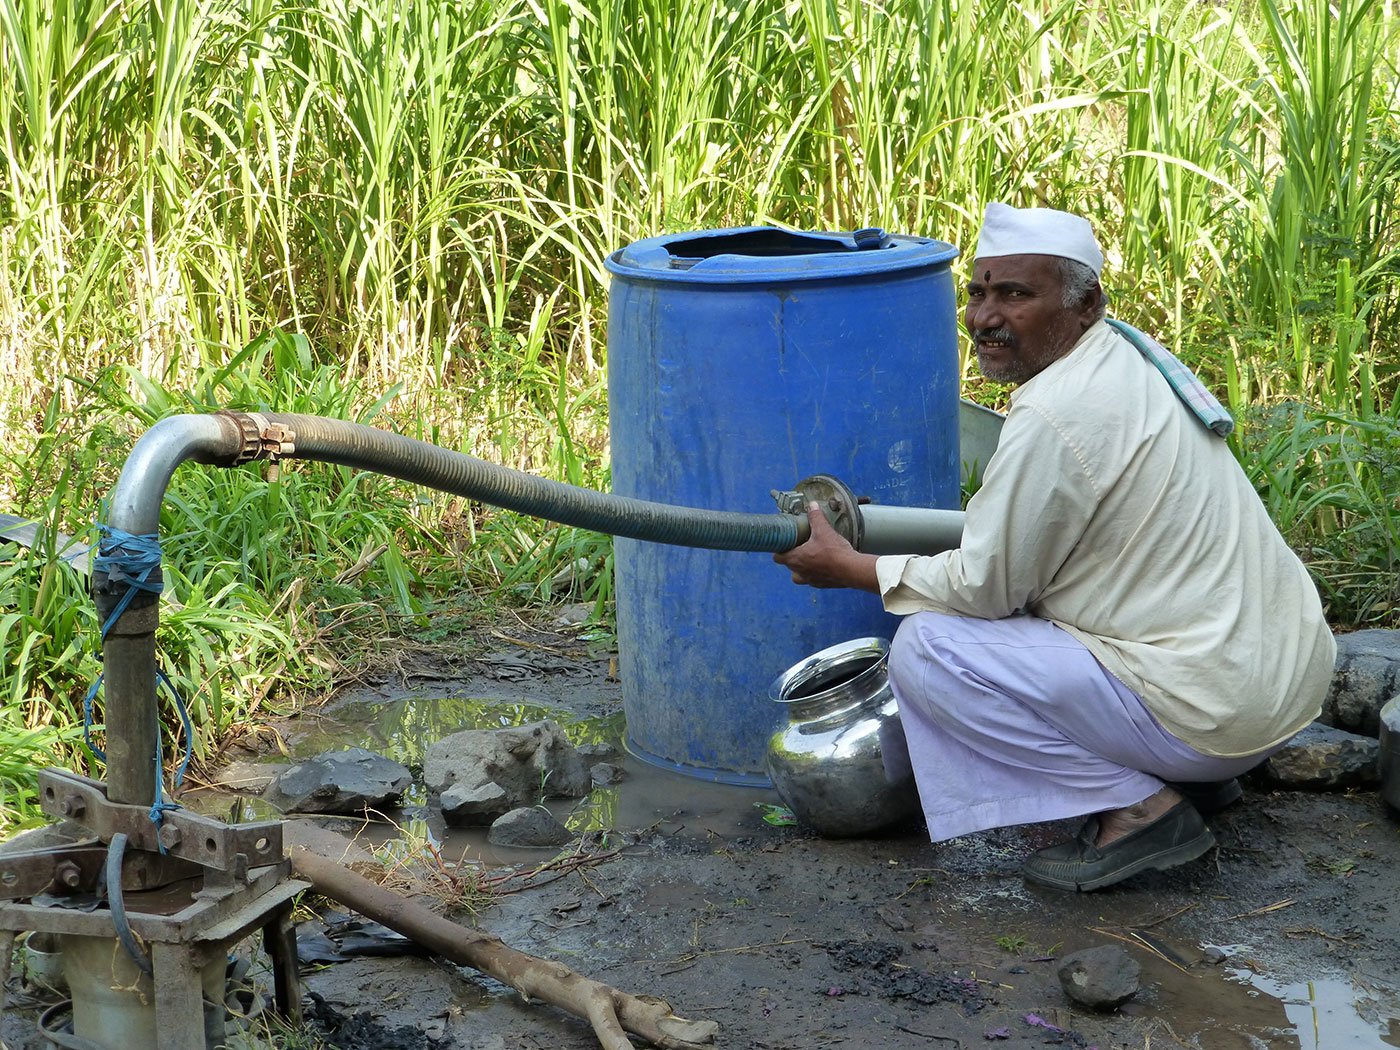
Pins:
x,y
909,530
129,645
136,501
230,438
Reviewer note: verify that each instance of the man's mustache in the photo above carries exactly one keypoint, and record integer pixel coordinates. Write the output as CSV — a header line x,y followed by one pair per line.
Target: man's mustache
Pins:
x,y
994,335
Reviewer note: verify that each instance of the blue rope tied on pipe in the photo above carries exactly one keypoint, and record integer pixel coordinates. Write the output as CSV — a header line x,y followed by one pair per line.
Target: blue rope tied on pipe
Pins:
x,y
127,558
131,559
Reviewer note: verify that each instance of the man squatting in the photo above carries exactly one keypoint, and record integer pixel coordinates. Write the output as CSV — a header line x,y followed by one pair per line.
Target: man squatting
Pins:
x,y
1123,629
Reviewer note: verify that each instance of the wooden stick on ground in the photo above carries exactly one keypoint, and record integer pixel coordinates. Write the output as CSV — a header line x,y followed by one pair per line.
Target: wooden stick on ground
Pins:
x,y
611,1012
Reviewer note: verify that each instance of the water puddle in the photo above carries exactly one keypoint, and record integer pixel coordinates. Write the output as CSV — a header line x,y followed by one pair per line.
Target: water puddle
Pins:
x,y
1327,1013
648,799
404,728
1234,1007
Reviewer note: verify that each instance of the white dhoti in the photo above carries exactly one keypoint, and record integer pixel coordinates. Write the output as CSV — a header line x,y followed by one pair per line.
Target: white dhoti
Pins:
x,y
1013,721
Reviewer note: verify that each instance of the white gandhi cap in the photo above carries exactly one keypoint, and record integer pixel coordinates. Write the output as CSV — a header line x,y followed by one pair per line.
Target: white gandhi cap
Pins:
x,y
1038,231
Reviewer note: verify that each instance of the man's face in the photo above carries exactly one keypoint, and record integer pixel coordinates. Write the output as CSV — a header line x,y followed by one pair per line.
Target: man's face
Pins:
x,y
1017,317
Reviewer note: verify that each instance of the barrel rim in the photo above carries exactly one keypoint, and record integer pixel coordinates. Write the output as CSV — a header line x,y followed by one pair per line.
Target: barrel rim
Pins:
x,y
938,254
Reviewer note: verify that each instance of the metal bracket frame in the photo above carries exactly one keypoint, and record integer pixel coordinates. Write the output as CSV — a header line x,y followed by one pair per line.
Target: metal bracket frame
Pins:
x,y
210,843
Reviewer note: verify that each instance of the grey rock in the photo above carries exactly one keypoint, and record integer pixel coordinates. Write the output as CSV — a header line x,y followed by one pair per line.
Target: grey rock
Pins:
x,y
1366,675
529,826
529,762
1100,978
600,752
474,806
1389,764
1322,758
246,777
573,614
605,773
347,781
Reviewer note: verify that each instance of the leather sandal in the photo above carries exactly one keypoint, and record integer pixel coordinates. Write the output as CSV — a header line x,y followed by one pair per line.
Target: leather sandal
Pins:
x,y
1177,836
1211,796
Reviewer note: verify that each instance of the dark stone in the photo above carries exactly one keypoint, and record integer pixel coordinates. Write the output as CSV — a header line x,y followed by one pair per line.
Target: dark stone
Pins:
x,y
1322,758
599,752
605,773
529,826
1366,675
530,762
1101,978
348,781
474,806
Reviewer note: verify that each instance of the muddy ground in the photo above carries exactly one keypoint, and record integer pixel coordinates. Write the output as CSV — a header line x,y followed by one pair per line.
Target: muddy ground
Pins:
x,y
1285,936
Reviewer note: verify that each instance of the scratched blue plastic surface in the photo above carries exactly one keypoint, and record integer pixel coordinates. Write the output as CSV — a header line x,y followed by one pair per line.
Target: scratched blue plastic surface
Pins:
x,y
734,372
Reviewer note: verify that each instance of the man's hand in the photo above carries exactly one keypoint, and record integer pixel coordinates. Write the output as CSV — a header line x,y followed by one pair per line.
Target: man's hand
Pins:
x,y
827,560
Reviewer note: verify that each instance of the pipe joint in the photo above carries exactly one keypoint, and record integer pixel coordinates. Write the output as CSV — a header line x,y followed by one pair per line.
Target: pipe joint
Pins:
x,y
838,503
252,437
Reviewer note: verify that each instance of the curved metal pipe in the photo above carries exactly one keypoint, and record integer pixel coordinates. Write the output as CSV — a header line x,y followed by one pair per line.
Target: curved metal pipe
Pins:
x,y
136,501
129,645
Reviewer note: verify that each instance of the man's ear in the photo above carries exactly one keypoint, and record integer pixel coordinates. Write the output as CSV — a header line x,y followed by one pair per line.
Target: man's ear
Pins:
x,y
1092,308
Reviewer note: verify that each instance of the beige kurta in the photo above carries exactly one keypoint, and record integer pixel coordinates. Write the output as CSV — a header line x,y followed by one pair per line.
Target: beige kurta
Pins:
x,y
1110,510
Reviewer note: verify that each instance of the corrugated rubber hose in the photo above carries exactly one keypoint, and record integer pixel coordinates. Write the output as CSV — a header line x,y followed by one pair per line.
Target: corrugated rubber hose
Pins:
x,y
366,448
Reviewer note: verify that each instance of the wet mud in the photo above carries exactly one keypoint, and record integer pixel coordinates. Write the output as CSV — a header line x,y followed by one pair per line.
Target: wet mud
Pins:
x,y
1285,936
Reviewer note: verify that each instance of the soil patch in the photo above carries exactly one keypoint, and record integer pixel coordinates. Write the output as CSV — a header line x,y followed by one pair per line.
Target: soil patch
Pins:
x,y
1282,937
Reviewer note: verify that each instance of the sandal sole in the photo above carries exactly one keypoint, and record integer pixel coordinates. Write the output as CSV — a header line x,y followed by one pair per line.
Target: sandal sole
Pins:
x,y
1167,858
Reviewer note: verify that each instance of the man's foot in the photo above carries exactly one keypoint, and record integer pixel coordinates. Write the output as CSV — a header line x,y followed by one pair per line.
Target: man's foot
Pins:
x,y
1211,796
1115,823
1174,837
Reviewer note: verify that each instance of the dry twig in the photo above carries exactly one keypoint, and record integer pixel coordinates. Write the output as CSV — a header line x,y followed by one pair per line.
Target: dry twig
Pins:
x,y
1130,935
1299,931
1287,902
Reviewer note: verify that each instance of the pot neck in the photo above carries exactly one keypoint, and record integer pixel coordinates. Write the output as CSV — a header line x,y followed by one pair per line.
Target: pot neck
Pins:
x,y
858,691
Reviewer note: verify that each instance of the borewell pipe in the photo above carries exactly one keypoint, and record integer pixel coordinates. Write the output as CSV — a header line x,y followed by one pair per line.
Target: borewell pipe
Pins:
x,y
129,645
228,439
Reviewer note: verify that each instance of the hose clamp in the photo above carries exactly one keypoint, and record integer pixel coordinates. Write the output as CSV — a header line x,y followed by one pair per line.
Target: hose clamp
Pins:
x,y
257,438
274,439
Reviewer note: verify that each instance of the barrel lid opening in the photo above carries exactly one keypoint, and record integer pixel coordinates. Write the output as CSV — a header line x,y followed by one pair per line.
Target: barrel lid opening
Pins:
x,y
770,242
769,253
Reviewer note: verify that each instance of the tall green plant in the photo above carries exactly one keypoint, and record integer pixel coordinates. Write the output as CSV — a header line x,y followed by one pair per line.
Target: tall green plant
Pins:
x,y
1310,256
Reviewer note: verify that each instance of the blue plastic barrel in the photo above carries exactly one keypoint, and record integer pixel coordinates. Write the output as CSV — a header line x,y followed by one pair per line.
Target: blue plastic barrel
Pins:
x,y
742,361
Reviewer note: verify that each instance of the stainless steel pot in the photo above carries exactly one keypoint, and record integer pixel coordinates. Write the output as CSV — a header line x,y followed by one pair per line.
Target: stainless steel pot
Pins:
x,y
841,763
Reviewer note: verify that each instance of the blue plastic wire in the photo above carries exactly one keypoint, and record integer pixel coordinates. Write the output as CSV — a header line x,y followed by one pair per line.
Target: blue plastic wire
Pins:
x,y
160,806
133,560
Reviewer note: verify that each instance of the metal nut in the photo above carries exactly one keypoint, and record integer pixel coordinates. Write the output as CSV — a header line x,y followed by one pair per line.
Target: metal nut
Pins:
x,y
170,836
73,806
67,874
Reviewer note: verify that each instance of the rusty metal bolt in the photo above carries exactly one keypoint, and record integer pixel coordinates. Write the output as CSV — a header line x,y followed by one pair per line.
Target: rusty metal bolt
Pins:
x,y
170,836
66,873
73,806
